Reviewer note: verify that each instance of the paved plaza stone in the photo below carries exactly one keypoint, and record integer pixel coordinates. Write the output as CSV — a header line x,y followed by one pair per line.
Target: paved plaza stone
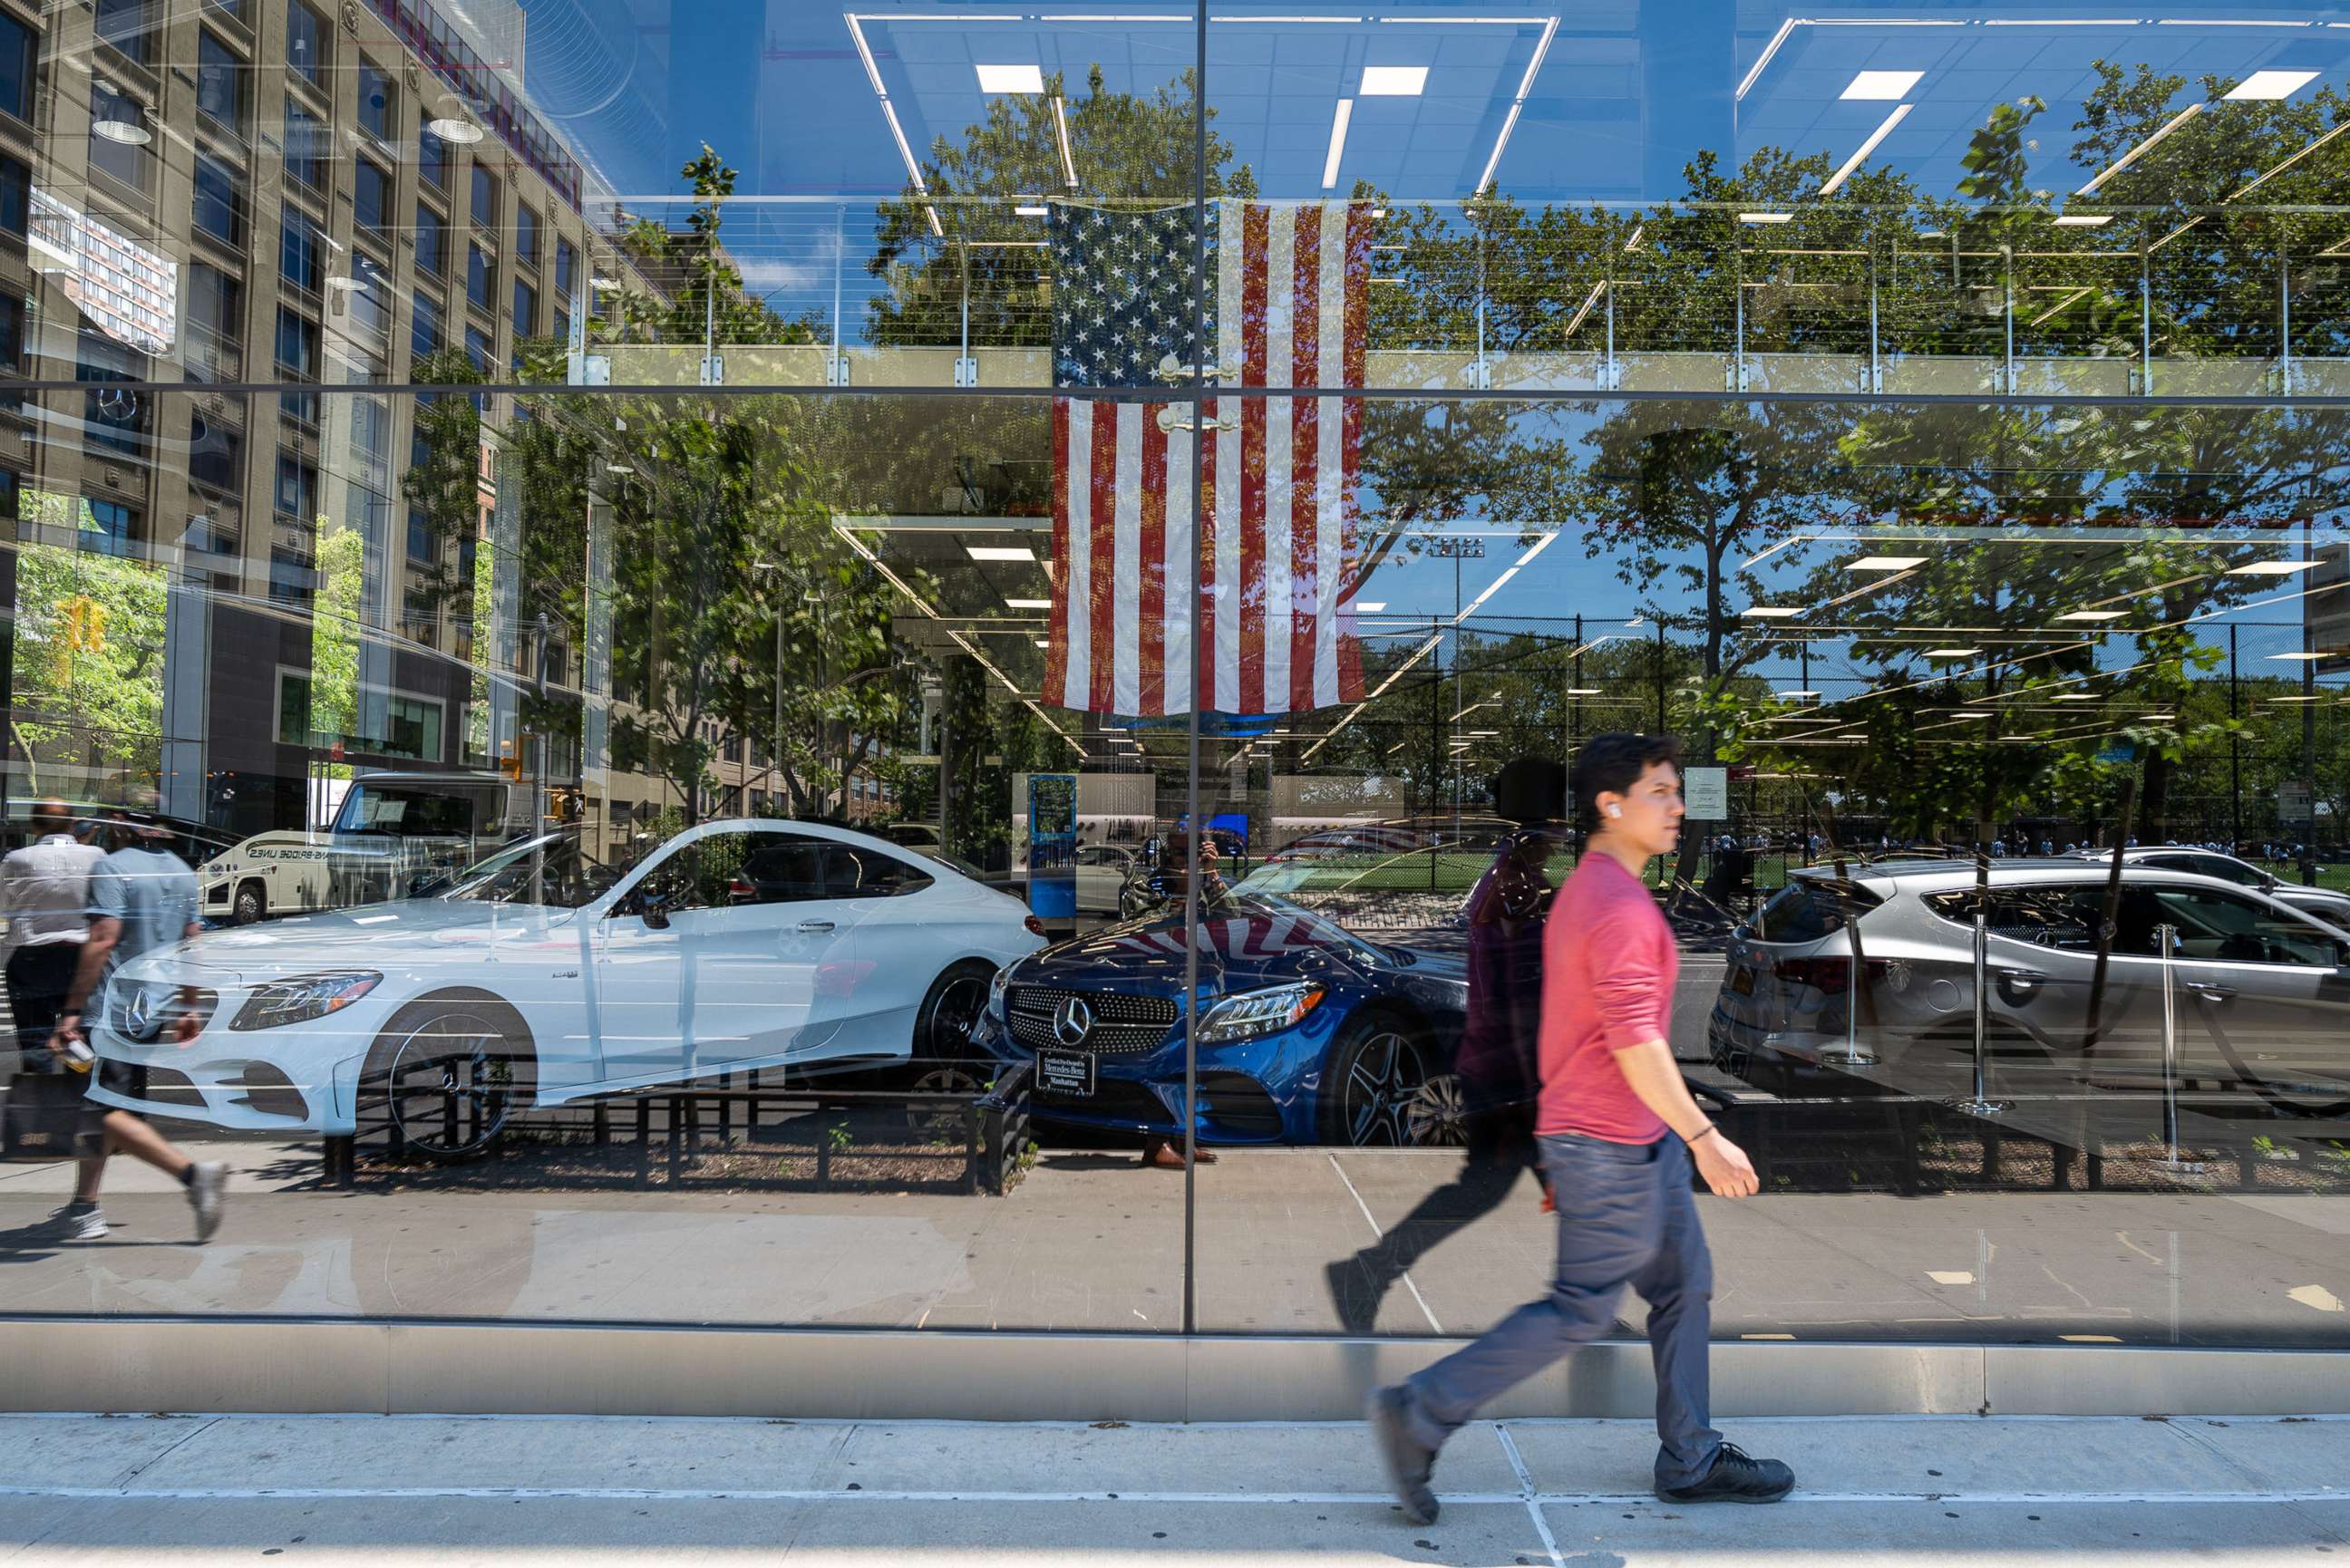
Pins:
x,y
440,1490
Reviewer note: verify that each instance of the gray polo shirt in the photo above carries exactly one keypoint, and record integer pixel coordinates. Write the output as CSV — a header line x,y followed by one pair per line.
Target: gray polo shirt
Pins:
x,y
152,892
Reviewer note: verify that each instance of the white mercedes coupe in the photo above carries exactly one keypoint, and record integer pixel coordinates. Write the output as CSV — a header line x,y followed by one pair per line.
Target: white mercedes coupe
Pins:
x,y
538,976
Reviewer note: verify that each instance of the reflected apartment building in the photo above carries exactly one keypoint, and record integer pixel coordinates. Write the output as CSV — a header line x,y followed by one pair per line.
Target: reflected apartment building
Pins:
x,y
237,593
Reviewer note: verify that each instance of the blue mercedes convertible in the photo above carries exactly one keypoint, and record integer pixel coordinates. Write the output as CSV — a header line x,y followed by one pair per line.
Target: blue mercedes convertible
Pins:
x,y
1308,1033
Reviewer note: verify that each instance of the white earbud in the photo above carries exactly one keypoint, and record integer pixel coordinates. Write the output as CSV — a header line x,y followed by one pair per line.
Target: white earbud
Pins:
x,y
1615,811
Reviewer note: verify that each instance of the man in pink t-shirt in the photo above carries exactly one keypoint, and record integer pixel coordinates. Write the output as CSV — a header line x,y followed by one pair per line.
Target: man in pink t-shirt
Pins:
x,y
1618,1134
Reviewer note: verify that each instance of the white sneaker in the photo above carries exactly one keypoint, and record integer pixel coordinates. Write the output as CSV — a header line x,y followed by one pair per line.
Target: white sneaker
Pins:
x,y
75,1223
204,1194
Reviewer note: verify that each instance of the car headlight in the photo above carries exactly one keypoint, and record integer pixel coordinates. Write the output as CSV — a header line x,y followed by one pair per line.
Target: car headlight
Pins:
x,y
303,998
995,988
1255,1013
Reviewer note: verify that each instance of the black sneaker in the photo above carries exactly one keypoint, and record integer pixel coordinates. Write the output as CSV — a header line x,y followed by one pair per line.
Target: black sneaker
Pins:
x,y
1400,1455
1353,1294
1736,1477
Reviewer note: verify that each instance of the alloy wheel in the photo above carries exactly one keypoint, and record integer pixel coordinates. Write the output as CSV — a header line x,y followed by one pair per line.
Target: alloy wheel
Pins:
x,y
1385,1075
449,1086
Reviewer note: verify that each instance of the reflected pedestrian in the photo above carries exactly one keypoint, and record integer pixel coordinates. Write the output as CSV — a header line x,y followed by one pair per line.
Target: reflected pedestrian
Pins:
x,y
1498,1063
1170,882
1618,1134
141,897
45,897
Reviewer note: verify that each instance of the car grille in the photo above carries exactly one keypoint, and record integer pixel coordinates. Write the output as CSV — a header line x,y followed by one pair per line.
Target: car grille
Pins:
x,y
1123,1026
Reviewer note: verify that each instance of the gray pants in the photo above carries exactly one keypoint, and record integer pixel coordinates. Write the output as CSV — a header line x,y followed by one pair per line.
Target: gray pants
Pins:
x,y
1627,1216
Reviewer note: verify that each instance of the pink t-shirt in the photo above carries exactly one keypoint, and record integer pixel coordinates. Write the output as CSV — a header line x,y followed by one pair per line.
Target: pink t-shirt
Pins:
x,y
1608,967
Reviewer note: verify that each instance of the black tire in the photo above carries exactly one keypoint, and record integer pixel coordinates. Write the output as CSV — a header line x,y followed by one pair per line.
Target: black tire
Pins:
x,y
948,1017
1381,1070
448,1076
251,903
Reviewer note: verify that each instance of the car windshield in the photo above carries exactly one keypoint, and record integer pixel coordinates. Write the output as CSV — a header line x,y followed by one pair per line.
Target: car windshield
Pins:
x,y
416,811
554,871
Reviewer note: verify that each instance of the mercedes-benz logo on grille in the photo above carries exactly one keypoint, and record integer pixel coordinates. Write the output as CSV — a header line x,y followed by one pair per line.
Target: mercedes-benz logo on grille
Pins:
x,y
138,1021
1072,1020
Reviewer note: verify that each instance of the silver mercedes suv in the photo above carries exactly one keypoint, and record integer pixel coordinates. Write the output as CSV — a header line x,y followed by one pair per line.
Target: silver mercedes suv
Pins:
x,y
1872,979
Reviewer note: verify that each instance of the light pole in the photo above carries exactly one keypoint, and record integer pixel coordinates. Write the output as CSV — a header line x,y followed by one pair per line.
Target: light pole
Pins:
x,y
775,737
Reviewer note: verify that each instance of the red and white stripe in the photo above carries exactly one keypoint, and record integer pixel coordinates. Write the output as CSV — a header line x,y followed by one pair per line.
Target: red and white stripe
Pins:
x,y
1279,477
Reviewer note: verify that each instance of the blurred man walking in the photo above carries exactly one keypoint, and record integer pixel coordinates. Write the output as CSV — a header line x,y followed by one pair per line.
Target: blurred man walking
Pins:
x,y
1618,1132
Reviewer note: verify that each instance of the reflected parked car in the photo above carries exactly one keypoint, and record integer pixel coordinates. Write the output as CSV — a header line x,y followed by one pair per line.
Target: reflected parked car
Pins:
x,y
2260,994
1307,1033
2327,905
544,975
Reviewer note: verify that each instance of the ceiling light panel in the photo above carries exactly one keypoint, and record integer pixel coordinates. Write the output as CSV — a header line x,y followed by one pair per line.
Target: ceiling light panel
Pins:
x,y
2269,86
2092,614
2085,220
1885,87
2272,568
1393,81
1011,79
1339,117
1000,552
1860,154
1885,563
1770,612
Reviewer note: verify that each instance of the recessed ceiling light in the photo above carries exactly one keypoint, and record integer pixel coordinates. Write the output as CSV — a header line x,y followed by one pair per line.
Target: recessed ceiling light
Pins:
x,y
2270,85
123,132
1883,86
2272,568
1042,642
1370,606
1000,552
2076,697
2280,700
1010,79
1031,211
1770,612
1794,694
1885,563
1394,81
2085,220
1968,713
2300,658
2092,615
1766,217
1952,652
1583,691
458,132
1029,604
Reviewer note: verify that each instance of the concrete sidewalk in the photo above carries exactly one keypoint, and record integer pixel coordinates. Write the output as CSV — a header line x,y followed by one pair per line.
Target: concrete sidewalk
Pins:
x,y
444,1491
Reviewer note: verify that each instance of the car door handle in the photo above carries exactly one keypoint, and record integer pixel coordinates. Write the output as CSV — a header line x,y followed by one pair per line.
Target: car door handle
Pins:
x,y
2026,977
2211,990
816,928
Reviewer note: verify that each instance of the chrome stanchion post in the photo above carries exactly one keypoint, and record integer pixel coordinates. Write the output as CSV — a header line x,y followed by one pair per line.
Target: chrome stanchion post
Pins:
x,y
1979,1104
2167,939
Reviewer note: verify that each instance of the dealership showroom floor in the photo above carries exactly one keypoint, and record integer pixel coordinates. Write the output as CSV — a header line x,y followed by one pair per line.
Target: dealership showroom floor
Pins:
x,y
1090,1239
395,1491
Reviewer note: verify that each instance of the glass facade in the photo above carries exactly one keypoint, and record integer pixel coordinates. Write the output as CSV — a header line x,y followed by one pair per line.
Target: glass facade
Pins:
x,y
791,648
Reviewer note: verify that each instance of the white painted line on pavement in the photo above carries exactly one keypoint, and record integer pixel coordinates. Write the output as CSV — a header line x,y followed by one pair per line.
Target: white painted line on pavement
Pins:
x,y
1382,1235
1526,1483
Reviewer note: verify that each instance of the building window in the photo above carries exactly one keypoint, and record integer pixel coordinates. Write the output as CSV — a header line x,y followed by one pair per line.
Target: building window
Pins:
x,y
479,349
297,489
12,340
432,160
421,546
18,62
526,236
567,263
371,198
16,196
117,527
302,252
375,103
424,336
369,298
124,24
218,208
216,322
115,114
290,579
431,241
305,43
478,275
215,455
228,7
486,198
113,415
563,327
220,83
297,345
305,146
525,309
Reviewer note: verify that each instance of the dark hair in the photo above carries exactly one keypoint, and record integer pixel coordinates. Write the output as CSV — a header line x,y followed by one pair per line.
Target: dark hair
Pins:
x,y
1611,765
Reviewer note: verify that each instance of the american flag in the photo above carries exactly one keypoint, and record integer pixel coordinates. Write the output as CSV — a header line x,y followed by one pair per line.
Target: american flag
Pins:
x,y
1285,308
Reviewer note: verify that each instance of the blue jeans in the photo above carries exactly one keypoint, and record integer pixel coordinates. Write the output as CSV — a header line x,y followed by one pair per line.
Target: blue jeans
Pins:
x,y
1627,1216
